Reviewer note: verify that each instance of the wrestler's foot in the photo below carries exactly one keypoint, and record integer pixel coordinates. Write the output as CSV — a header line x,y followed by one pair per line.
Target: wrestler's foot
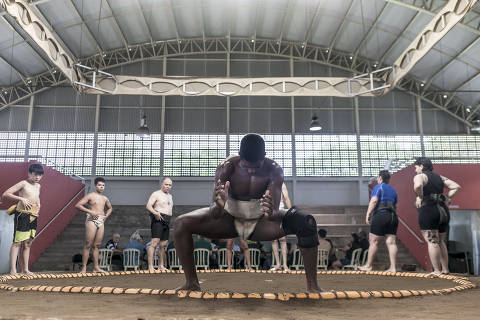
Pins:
x,y
435,273
190,287
275,268
162,268
28,273
83,271
315,290
365,268
446,272
98,270
13,273
391,270
286,269
151,269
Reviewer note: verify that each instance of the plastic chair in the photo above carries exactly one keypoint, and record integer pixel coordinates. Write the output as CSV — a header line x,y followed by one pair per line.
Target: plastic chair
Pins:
x,y
131,259
105,259
254,259
201,256
297,263
364,257
355,262
222,258
322,259
173,261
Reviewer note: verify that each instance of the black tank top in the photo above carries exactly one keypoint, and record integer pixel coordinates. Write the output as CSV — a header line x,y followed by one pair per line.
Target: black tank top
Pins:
x,y
434,184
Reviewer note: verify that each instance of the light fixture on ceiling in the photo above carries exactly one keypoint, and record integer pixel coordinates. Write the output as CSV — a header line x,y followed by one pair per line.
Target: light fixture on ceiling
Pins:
x,y
315,125
143,131
468,109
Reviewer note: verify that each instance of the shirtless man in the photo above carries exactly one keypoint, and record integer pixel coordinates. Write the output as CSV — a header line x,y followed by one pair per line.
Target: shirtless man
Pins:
x,y
245,204
160,205
94,227
26,213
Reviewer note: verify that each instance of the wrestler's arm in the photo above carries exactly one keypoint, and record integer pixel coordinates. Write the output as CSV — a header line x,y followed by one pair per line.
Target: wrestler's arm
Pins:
x,y
418,183
109,208
288,203
275,189
10,194
371,206
81,205
220,191
151,203
452,186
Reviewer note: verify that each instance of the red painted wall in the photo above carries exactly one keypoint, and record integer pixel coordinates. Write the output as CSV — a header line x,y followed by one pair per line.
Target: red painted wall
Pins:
x,y
57,190
467,175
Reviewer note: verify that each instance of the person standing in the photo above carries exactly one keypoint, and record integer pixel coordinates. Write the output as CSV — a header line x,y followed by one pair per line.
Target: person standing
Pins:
x,y
433,213
160,207
383,221
94,224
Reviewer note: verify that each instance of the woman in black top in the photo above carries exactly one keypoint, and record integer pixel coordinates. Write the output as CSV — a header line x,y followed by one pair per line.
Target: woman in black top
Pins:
x,y
433,214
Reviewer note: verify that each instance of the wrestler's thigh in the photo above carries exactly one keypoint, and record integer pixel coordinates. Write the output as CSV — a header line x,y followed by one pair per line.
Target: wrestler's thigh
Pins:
x,y
99,234
201,222
90,231
267,230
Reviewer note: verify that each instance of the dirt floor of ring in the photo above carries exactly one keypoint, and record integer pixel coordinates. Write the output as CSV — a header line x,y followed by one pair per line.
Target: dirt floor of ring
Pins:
x,y
37,305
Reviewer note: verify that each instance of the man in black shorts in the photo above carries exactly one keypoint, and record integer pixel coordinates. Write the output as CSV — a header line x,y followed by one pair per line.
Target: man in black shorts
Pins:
x,y
383,221
433,214
160,207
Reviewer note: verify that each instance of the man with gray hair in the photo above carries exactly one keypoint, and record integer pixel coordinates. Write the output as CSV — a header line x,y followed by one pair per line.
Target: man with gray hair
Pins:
x,y
159,206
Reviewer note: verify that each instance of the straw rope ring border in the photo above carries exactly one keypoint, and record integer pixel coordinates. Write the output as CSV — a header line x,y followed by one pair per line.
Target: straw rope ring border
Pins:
x,y
462,284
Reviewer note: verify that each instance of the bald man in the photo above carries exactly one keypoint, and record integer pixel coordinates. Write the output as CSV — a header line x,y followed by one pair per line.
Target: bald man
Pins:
x,y
160,207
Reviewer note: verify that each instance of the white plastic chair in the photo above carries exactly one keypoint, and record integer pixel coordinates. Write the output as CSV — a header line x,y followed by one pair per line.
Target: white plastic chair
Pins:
x,y
364,257
322,259
105,259
201,256
173,261
297,263
222,258
131,259
254,259
355,262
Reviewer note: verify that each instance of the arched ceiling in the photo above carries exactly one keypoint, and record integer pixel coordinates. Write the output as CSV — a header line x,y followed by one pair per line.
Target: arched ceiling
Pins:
x,y
374,32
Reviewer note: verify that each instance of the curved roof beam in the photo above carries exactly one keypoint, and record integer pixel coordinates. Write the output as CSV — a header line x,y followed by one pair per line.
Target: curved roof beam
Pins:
x,y
419,6
270,47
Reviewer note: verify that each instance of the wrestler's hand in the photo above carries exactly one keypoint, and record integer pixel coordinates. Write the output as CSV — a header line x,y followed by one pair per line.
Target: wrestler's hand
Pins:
x,y
26,203
221,193
418,202
367,219
267,203
158,216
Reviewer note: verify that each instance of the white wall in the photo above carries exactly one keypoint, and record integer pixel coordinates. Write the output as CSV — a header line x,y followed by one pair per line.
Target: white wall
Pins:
x,y
328,192
6,238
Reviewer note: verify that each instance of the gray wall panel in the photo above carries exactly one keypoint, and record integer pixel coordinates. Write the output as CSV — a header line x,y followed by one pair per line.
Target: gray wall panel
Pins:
x,y
64,119
259,121
239,121
367,121
43,119
384,121
281,121
215,121
173,120
343,121
109,119
85,120
18,119
5,119
194,120
405,121
129,119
